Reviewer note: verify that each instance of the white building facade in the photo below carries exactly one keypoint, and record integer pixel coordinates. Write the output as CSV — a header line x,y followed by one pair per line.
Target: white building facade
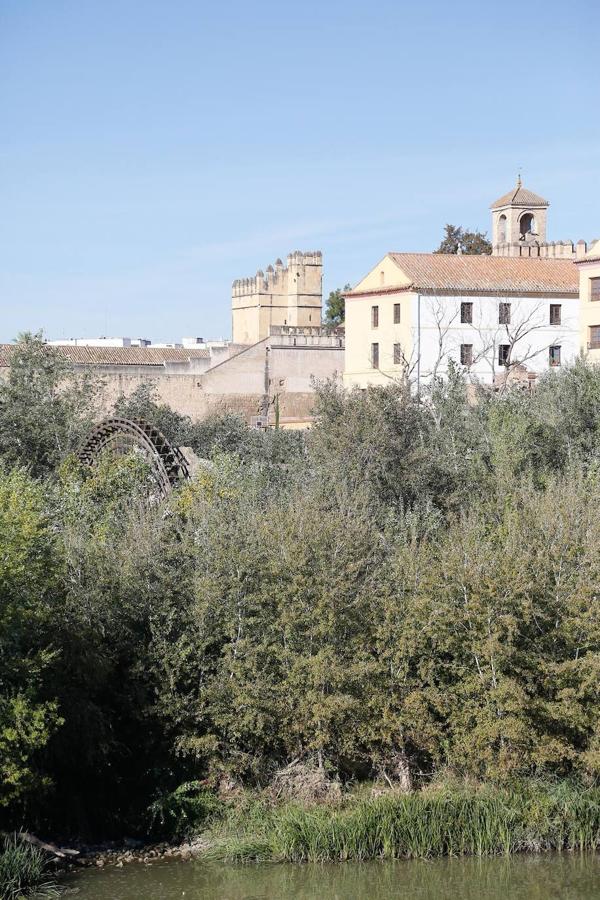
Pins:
x,y
514,312
415,315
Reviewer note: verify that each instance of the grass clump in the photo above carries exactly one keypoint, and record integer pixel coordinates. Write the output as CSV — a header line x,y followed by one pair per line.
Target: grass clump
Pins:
x,y
451,821
24,871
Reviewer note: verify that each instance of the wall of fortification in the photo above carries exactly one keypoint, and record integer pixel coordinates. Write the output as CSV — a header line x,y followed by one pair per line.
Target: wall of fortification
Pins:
x,y
285,295
548,250
281,368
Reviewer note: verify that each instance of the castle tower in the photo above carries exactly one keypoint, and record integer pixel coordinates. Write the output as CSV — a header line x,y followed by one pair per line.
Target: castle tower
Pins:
x,y
289,295
519,221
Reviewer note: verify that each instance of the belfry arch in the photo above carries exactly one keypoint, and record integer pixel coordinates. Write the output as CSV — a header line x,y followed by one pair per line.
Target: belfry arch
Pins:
x,y
527,225
119,437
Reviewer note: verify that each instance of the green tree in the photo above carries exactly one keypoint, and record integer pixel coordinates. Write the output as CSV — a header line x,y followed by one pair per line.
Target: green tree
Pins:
x,y
144,404
459,240
335,307
28,569
117,554
45,406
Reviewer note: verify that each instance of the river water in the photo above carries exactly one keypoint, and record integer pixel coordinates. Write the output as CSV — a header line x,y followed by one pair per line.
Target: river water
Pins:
x,y
543,877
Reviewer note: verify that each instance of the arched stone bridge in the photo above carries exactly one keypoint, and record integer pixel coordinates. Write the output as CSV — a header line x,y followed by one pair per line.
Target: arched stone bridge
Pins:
x,y
121,436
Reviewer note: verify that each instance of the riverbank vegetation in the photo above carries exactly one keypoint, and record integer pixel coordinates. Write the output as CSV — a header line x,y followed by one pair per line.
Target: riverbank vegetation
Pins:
x,y
410,588
24,871
448,819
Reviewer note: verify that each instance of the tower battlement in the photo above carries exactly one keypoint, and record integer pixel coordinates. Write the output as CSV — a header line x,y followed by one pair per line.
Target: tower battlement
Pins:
x,y
281,296
545,250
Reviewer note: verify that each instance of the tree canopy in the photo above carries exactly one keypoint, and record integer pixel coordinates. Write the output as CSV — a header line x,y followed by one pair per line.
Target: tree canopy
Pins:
x,y
459,240
409,586
335,307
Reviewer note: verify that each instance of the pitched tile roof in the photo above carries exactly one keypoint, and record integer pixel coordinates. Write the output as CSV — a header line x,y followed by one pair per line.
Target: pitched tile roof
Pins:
x,y
431,272
118,356
520,196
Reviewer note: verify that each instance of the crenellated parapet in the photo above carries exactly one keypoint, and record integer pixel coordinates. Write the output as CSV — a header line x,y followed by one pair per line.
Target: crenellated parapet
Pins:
x,y
276,276
282,295
544,250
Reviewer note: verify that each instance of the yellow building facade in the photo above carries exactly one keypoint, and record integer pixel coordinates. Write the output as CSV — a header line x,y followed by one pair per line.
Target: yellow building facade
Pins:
x,y
589,300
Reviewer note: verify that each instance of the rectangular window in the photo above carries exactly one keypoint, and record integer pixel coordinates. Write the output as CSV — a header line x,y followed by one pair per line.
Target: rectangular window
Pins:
x,y
466,355
397,354
466,313
555,313
554,356
594,288
504,314
374,316
375,355
396,313
594,341
503,354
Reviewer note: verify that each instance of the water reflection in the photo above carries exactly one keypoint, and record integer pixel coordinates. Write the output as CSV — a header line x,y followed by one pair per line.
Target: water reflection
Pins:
x,y
544,877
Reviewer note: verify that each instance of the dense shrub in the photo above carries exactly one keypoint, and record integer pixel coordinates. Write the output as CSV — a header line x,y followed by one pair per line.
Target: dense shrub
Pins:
x,y
410,587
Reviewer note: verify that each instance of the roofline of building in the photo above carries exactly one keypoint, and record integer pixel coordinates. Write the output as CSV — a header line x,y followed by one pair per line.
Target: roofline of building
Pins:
x,y
519,205
465,292
401,289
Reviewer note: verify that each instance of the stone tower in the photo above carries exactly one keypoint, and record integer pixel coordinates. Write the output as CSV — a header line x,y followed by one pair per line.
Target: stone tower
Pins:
x,y
286,296
519,220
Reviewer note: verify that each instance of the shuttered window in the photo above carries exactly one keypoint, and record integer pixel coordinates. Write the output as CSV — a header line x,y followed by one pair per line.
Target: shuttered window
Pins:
x,y
466,354
555,313
504,314
466,313
375,356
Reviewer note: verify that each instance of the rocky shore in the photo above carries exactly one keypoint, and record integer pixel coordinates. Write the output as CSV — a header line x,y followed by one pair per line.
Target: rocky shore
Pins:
x,y
119,854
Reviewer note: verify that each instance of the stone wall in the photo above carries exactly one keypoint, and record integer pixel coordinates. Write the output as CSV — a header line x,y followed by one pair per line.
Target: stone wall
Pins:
x,y
253,381
547,250
286,296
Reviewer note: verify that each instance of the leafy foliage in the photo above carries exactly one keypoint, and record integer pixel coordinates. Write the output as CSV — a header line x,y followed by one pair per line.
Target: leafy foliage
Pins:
x,y
27,580
183,812
408,589
45,407
335,307
459,240
143,404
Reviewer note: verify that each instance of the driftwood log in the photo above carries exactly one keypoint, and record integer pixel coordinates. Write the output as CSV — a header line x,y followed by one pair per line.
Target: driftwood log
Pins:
x,y
61,852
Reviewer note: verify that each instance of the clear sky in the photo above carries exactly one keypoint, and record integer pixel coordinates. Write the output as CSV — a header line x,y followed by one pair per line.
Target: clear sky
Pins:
x,y
151,152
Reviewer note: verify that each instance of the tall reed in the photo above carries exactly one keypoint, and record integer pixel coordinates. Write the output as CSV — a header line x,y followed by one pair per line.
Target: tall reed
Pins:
x,y
448,822
24,871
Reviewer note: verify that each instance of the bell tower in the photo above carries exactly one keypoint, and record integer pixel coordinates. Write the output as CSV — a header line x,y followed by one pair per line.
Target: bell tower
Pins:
x,y
519,220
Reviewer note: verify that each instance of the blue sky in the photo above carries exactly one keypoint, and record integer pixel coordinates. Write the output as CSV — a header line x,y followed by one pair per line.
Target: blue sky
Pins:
x,y
151,152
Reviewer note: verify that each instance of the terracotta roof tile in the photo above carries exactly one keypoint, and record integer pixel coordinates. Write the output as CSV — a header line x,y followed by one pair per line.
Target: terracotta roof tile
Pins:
x,y
118,356
520,196
489,274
